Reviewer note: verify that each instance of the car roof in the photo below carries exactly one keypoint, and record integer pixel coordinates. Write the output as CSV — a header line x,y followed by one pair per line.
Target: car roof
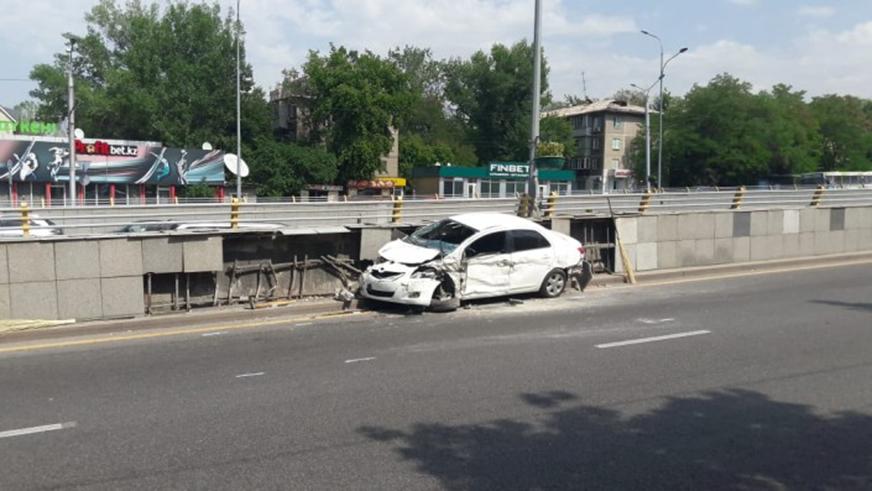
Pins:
x,y
489,220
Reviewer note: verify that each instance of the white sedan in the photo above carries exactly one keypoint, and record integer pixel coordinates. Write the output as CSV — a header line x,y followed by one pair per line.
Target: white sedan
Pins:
x,y
471,256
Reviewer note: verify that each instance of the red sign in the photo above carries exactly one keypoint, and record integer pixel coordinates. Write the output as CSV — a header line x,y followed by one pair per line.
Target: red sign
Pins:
x,y
102,148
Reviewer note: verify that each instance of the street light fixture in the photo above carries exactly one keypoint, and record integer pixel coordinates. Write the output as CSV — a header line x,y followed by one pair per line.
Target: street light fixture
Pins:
x,y
647,93
72,39
662,76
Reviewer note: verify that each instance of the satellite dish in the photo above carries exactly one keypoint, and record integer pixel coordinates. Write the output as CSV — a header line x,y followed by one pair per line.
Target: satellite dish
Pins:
x,y
230,161
79,134
206,146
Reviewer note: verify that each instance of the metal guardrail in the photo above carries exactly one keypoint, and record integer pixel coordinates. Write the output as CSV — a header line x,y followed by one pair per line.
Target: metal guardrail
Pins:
x,y
91,220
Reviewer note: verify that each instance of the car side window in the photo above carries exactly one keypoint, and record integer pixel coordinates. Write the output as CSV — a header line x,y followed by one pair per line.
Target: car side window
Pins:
x,y
527,240
494,243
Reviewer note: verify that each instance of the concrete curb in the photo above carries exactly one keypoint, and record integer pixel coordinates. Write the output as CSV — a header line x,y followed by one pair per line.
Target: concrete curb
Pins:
x,y
12,325
317,306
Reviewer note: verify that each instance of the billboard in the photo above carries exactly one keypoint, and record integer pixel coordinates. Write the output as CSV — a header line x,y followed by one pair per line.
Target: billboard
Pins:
x,y
46,160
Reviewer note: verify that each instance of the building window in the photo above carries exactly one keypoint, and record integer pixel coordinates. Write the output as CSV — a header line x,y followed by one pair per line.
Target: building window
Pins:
x,y
616,143
489,189
561,188
452,188
617,122
515,187
596,143
616,163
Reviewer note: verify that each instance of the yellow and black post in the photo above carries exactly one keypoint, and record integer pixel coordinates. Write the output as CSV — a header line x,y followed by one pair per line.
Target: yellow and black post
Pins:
x,y
234,213
524,205
551,207
738,198
397,214
645,202
25,219
818,196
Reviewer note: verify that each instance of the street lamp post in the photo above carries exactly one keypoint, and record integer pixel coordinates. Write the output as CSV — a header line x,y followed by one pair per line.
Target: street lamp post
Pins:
x,y
238,111
533,178
660,108
72,39
647,133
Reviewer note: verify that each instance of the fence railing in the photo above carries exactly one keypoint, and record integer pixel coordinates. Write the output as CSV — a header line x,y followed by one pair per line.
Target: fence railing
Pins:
x,y
25,220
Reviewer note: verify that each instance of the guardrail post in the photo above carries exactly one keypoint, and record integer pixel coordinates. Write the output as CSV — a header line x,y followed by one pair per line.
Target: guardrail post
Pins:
x,y
551,205
818,196
738,198
25,219
645,202
397,213
234,213
524,205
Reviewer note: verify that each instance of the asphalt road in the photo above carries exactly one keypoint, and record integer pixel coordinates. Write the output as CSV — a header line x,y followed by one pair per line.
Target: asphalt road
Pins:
x,y
759,382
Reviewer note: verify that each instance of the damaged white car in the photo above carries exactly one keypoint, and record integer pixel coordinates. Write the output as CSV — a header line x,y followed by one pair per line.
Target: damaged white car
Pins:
x,y
472,256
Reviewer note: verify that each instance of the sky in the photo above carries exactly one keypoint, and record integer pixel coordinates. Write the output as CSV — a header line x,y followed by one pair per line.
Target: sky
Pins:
x,y
817,46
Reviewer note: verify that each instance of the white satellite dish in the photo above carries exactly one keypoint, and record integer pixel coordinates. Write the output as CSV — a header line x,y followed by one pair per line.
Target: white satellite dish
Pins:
x,y
79,134
206,146
230,161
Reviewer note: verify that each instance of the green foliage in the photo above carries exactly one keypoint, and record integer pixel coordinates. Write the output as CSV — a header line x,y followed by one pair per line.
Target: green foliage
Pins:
x,y
846,132
491,94
558,130
550,149
198,190
282,169
356,97
723,134
143,73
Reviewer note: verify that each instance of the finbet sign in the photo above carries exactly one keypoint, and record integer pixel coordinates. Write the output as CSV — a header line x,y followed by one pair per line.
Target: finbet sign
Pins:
x,y
507,169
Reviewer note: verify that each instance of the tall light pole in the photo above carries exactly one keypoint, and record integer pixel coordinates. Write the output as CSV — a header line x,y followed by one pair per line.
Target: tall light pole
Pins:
x,y
647,133
72,39
660,109
238,110
533,178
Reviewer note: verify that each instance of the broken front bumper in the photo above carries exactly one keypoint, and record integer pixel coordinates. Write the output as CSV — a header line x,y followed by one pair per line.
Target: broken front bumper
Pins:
x,y
404,290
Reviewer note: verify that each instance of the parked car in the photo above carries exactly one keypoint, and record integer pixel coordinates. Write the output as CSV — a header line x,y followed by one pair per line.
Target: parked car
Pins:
x,y
471,256
10,226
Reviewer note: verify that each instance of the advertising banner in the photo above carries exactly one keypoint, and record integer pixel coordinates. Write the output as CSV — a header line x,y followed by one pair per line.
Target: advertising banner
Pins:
x,y
47,160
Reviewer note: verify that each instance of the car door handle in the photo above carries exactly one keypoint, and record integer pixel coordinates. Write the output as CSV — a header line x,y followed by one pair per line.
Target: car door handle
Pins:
x,y
505,263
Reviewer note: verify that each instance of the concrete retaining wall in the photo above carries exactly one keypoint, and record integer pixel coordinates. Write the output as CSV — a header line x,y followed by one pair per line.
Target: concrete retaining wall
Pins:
x,y
708,238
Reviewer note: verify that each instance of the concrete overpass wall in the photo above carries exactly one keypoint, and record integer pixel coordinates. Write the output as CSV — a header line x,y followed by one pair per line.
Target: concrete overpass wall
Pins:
x,y
679,240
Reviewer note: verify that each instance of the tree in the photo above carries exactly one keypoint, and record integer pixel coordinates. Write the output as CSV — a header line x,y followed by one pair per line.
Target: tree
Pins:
x,y
143,73
355,99
846,132
631,96
491,93
284,168
554,129
792,135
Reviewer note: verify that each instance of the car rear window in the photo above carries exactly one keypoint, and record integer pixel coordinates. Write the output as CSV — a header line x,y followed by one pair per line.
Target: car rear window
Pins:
x,y
526,240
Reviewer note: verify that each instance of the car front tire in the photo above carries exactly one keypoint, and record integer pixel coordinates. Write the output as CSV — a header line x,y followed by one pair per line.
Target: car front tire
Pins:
x,y
554,284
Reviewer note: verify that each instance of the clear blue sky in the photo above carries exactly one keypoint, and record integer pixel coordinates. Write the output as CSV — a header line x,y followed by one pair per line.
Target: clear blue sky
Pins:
x,y
819,46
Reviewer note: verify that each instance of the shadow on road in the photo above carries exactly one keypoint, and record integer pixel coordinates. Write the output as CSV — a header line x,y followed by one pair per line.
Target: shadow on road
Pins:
x,y
733,439
849,305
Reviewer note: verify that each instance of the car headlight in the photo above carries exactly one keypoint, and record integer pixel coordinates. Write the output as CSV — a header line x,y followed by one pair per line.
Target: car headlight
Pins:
x,y
428,273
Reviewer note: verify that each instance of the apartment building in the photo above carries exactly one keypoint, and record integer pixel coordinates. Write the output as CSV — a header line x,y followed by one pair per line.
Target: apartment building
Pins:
x,y
603,131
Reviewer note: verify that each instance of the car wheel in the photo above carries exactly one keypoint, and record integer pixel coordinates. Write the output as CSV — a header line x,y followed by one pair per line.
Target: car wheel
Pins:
x,y
443,301
554,284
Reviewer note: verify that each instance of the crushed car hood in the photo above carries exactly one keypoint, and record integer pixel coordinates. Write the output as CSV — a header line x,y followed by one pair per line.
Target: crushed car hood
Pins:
x,y
403,252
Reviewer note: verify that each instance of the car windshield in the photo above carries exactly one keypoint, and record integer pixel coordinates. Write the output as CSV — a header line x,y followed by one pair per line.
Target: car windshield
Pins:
x,y
444,235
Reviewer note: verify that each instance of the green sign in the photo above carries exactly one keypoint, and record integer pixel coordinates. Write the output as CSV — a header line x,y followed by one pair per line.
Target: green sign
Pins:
x,y
509,169
28,127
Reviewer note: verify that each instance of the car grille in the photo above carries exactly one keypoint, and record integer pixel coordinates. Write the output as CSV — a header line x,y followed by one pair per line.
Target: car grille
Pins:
x,y
378,293
383,274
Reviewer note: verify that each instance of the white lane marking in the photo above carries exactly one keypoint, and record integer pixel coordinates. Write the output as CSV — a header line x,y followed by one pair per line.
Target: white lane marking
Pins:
x,y
208,334
355,360
37,429
301,324
253,374
652,339
656,321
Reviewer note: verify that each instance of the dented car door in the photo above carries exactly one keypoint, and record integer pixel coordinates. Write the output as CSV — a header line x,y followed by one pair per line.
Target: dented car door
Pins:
x,y
487,264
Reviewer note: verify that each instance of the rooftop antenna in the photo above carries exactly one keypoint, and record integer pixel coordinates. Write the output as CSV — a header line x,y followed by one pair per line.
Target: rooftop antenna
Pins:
x,y
584,88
